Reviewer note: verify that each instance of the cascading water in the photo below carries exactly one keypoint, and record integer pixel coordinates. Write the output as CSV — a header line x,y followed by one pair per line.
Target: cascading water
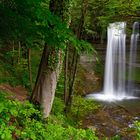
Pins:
x,y
114,84
115,66
132,58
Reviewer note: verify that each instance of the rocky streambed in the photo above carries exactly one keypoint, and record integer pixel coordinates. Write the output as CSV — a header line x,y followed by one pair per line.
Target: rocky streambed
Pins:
x,y
116,118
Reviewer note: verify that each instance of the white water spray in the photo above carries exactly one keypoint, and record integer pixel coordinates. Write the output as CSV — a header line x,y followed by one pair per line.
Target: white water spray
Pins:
x,y
115,66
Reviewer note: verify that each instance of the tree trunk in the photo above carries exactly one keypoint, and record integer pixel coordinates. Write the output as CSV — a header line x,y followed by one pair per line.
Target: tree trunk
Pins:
x,y
72,74
49,87
13,53
30,68
73,58
37,92
19,51
72,80
46,82
66,76
45,86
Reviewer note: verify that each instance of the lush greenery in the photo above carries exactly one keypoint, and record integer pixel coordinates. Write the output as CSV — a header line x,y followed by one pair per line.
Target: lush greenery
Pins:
x,y
137,128
24,121
81,107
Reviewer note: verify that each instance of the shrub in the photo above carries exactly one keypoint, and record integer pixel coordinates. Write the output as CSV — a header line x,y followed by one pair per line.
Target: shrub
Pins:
x,y
81,106
20,120
58,106
23,121
137,128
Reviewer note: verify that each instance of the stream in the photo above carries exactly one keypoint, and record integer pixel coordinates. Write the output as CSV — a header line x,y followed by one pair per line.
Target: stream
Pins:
x,y
115,118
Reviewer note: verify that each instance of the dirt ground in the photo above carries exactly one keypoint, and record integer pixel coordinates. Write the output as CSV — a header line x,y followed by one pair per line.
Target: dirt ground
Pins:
x,y
17,92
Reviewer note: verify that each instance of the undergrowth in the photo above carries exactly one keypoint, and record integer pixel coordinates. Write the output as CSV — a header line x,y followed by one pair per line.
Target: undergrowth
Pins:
x,y
24,121
82,106
137,128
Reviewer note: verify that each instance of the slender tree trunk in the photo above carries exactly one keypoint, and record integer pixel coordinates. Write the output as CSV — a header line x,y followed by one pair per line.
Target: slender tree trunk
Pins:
x,y
66,76
13,53
72,77
30,68
74,62
102,37
19,51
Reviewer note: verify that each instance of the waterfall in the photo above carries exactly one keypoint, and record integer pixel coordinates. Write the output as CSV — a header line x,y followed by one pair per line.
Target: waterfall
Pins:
x,y
114,82
132,58
115,64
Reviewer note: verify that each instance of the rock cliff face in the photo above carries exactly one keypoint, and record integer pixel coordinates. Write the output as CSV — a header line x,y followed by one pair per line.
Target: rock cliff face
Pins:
x,y
87,80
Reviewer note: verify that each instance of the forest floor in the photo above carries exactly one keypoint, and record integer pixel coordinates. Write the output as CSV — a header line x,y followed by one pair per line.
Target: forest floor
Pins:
x,y
110,120
17,92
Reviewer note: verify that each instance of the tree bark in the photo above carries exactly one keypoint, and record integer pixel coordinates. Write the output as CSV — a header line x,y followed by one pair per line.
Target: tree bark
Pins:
x,y
72,75
13,53
49,86
19,51
46,82
30,68
66,76
37,92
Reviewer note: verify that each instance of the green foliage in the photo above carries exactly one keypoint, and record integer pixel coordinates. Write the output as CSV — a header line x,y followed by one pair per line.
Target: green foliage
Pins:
x,y
58,132
16,73
137,128
32,24
60,85
61,127
23,121
82,106
99,13
20,71
99,68
36,57
58,106
20,120
117,137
